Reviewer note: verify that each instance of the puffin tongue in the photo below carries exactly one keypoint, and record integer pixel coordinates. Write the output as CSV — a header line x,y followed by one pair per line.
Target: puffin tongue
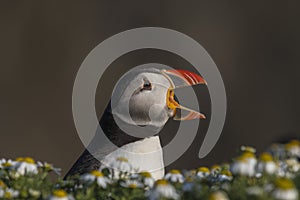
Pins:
x,y
179,79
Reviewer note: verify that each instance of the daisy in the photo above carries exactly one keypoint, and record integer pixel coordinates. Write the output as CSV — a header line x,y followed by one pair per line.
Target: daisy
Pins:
x,y
162,189
119,168
8,193
251,158
48,167
131,184
225,175
285,190
6,163
147,179
97,176
215,169
266,164
244,165
24,166
293,148
174,176
218,195
240,167
121,164
293,165
60,195
203,172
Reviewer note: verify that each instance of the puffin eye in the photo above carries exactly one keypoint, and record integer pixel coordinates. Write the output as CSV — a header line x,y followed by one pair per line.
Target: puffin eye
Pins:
x,y
147,85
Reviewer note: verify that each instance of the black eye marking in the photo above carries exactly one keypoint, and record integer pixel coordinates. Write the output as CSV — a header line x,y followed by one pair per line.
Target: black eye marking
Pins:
x,y
147,85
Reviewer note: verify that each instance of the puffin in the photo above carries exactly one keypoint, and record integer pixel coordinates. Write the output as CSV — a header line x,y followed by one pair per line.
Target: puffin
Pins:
x,y
142,102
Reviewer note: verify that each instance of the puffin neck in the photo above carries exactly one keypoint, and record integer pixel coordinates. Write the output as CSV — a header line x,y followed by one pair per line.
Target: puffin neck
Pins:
x,y
112,131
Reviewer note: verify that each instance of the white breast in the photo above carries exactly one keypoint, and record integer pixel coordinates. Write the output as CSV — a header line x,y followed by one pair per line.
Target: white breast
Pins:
x,y
143,155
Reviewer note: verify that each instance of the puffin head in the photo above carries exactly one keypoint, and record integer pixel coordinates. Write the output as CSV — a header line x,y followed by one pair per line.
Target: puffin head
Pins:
x,y
145,97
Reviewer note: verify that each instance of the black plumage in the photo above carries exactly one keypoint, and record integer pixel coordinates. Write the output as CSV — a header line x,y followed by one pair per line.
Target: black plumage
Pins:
x,y
89,159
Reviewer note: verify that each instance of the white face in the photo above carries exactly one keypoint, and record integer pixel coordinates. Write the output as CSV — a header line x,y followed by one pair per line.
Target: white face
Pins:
x,y
144,101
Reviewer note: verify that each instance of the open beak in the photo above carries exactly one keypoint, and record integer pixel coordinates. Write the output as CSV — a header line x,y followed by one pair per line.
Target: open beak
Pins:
x,y
179,79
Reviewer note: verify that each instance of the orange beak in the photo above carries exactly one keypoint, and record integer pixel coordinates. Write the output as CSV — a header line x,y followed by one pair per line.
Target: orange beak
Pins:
x,y
178,79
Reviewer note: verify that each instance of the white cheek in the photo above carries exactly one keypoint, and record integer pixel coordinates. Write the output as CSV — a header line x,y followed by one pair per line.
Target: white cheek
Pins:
x,y
158,114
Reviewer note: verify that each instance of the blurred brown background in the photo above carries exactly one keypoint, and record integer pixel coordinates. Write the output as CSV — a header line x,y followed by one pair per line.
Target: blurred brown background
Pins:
x,y
43,43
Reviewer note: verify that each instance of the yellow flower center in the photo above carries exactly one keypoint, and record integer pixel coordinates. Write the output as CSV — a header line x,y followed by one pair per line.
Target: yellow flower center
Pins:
x,y
217,196
29,160
161,182
226,172
145,174
26,159
203,169
215,167
59,193
48,166
2,184
284,183
8,195
175,171
122,159
292,144
6,164
241,159
132,185
248,155
96,173
266,157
